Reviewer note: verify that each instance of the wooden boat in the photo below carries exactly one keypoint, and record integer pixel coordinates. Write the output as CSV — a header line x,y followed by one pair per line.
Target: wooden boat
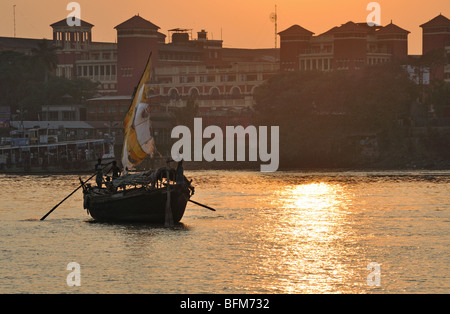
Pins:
x,y
150,201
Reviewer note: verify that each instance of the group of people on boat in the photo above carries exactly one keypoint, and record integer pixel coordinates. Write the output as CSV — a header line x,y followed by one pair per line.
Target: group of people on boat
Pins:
x,y
116,172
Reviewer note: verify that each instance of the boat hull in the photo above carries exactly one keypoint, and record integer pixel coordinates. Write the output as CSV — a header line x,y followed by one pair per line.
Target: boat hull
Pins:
x,y
137,205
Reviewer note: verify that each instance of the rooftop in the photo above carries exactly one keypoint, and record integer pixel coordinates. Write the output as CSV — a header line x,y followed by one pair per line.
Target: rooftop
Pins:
x,y
392,29
296,30
137,22
439,20
353,27
63,22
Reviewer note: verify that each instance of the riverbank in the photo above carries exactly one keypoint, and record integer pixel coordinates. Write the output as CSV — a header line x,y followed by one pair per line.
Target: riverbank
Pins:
x,y
255,166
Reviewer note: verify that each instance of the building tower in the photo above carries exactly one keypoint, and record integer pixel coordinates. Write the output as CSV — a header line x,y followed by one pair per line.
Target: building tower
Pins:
x,y
73,43
293,41
394,40
136,38
436,36
350,46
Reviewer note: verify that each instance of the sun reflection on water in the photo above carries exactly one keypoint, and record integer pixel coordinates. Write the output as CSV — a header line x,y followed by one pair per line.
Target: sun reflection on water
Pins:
x,y
314,208
310,241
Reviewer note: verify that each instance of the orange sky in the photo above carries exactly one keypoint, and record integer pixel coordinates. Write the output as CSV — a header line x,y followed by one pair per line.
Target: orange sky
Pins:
x,y
240,23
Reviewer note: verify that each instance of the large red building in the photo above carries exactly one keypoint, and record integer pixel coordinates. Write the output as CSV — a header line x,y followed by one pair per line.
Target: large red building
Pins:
x,y
187,64
436,37
349,46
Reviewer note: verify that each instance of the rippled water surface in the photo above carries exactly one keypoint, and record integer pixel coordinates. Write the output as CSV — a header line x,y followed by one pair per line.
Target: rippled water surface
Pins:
x,y
288,232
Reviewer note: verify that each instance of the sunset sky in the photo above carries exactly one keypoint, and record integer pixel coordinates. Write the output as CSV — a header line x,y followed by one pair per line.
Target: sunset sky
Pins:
x,y
240,23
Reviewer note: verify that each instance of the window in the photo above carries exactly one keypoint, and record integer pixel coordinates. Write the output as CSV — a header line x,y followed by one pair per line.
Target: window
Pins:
x,y
173,94
68,115
164,80
214,92
236,91
52,115
207,78
187,79
193,92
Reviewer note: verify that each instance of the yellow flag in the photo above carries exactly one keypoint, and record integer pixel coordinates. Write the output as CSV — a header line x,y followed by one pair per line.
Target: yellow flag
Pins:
x,y
138,138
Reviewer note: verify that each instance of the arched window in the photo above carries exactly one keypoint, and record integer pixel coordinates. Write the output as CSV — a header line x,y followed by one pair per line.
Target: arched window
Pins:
x,y
173,94
193,92
235,92
214,92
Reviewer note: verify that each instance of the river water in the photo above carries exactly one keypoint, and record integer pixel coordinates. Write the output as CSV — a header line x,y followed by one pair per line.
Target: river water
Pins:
x,y
281,233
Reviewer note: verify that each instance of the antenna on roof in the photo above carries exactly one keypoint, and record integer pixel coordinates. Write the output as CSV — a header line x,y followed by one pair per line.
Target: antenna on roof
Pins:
x,y
274,19
14,14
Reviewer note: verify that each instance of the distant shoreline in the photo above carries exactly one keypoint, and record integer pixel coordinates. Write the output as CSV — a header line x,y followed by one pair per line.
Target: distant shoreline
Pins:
x,y
255,166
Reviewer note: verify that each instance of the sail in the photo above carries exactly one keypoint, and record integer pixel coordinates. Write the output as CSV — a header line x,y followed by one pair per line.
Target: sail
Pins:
x,y
138,136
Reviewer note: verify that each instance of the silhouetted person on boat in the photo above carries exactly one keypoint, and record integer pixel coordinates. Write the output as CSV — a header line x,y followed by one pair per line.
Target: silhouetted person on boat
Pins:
x,y
110,185
180,173
99,172
115,170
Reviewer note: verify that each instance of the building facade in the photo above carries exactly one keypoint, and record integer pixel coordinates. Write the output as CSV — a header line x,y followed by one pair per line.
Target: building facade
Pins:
x,y
191,65
350,46
436,37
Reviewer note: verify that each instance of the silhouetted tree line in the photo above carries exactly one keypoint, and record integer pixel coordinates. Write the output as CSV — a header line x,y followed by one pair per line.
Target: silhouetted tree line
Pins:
x,y
27,81
343,119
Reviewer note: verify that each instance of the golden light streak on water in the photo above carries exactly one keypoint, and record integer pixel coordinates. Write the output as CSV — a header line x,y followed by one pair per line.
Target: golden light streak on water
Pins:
x,y
288,232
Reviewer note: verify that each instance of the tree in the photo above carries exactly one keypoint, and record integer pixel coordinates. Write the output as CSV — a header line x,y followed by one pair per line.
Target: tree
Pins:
x,y
318,111
24,86
185,115
45,57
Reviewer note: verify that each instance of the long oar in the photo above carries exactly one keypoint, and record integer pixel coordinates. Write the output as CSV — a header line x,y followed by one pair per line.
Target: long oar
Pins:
x,y
56,206
210,208
83,183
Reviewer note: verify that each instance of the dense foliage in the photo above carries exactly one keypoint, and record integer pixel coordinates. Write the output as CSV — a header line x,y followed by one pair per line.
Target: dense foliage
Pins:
x,y
324,116
27,82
